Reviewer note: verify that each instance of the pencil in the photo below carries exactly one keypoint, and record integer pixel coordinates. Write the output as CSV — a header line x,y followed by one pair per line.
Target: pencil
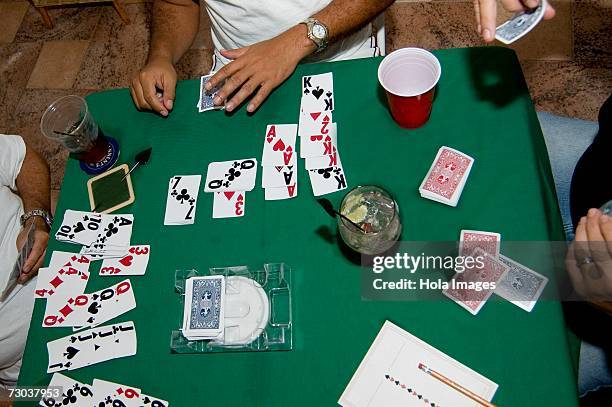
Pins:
x,y
455,386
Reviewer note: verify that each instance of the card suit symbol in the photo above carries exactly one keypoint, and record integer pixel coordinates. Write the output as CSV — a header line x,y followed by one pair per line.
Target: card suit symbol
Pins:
x,y
229,195
409,390
337,170
111,230
127,261
397,382
236,164
386,376
73,339
279,145
56,281
226,184
306,92
174,193
96,347
116,340
317,92
95,296
183,196
232,174
403,386
71,352
426,401
147,400
240,198
79,227
90,320
94,307
70,397
315,115
280,168
328,94
420,396
326,172
66,310
191,201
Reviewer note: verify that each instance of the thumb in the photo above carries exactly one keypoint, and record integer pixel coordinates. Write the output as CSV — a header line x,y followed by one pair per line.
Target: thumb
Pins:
x,y
233,53
169,86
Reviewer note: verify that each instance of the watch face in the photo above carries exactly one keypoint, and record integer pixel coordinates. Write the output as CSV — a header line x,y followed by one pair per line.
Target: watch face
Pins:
x,y
318,31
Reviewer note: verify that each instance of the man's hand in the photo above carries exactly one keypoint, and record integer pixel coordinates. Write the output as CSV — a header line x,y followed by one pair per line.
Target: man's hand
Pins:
x,y
589,259
260,68
153,88
486,14
37,254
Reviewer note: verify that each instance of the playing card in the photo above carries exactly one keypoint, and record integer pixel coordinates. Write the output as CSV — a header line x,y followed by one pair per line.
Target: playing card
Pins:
x,y
278,176
66,275
327,180
278,193
314,123
206,101
318,93
279,145
446,177
235,175
134,263
115,394
324,161
520,24
24,253
204,308
87,310
521,286
468,289
318,145
80,227
73,393
181,200
469,240
116,230
228,204
92,346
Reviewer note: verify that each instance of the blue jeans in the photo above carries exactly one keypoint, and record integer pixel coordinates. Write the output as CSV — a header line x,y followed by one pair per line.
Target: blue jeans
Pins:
x,y
566,140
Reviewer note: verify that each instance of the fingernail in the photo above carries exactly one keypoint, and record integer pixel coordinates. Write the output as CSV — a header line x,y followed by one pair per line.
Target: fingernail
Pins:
x,y
486,34
592,212
208,86
479,29
251,108
164,113
604,219
217,100
229,107
582,220
170,104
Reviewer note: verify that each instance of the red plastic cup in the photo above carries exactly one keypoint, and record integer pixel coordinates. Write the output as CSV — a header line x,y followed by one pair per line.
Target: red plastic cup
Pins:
x,y
409,76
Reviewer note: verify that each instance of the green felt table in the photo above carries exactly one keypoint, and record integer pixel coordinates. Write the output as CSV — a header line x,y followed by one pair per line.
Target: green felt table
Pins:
x,y
482,108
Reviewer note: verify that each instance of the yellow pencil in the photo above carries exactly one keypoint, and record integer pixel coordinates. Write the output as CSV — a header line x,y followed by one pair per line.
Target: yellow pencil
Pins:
x,y
455,386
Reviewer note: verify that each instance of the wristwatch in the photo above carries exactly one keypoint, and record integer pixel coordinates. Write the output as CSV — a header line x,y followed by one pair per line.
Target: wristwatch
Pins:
x,y
317,32
37,212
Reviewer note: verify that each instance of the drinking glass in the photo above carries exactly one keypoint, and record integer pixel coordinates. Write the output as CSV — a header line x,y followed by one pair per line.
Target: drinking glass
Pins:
x,y
376,213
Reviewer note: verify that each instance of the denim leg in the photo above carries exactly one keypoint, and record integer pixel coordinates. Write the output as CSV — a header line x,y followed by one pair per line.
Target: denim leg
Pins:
x,y
566,140
593,371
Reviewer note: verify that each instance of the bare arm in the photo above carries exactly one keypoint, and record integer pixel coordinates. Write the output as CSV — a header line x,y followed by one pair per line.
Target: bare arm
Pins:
x,y
263,66
175,25
33,186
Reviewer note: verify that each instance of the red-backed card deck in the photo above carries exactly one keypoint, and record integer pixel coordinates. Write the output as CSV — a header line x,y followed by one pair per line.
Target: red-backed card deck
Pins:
x,y
468,289
446,177
469,240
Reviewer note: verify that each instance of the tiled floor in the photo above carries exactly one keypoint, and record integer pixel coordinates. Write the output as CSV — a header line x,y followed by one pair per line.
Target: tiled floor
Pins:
x,y
567,62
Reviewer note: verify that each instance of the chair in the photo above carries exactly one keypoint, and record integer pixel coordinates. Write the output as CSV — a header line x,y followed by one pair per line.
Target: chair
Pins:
x,y
42,5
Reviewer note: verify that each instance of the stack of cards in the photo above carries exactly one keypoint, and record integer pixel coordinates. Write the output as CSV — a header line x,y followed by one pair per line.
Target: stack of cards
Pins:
x,y
229,181
204,308
279,162
446,177
182,199
514,282
206,101
319,135
102,236
99,393
24,253
93,346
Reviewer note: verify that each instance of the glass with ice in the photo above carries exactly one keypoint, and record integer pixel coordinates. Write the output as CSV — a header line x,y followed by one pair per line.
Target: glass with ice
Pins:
x,y
377,215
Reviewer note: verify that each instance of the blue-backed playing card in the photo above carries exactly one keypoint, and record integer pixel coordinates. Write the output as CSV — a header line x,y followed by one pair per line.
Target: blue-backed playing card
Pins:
x,y
206,101
206,310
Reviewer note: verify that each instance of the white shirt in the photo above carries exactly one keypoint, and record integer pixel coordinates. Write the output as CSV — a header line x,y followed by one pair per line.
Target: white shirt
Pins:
x,y
240,23
12,153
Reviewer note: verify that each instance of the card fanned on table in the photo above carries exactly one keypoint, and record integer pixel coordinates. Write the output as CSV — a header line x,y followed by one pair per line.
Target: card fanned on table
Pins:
x,y
229,181
446,177
101,392
389,375
279,162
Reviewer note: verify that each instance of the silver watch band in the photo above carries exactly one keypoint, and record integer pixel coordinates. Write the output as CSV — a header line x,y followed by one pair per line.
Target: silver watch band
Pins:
x,y
46,216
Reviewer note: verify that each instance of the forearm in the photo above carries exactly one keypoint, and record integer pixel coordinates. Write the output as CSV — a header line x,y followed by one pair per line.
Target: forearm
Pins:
x,y
344,17
175,25
33,182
